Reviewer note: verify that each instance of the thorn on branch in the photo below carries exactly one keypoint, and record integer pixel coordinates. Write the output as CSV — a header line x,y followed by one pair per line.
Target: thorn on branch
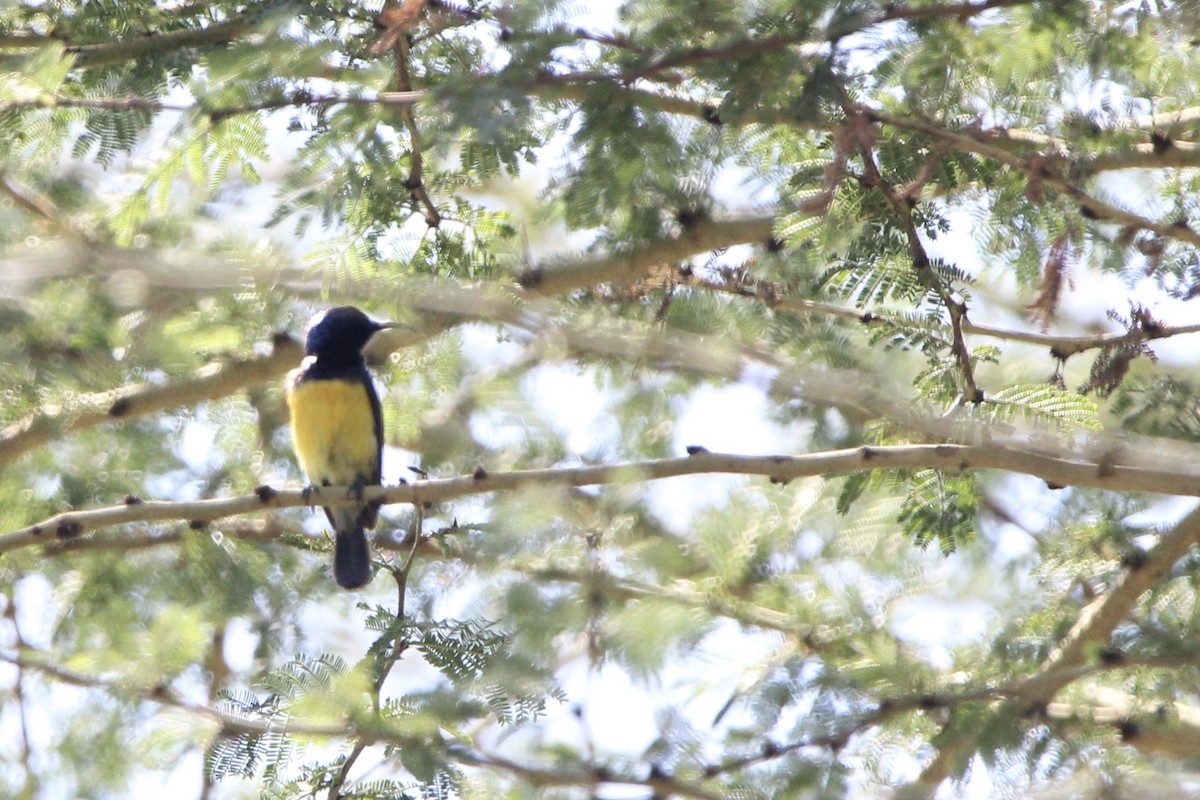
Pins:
x,y
530,278
695,449
929,702
710,114
68,528
120,407
1160,143
479,474
1134,560
132,500
264,493
691,217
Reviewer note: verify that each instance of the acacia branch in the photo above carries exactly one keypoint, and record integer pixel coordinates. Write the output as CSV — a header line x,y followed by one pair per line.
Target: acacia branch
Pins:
x,y
222,379
137,47
1099,618
557,277
1091,631
293,100
415,182
136,400
1107,472
681,594
1170,729
663,784
1048,170
902,211
370,730
1061,346
223,722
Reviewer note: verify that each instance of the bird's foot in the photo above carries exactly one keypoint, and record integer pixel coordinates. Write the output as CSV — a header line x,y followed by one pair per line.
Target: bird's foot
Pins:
x,y
356,488
307,493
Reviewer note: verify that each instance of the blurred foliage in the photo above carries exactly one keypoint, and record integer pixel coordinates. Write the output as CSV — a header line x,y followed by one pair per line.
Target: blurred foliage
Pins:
x,y
180,183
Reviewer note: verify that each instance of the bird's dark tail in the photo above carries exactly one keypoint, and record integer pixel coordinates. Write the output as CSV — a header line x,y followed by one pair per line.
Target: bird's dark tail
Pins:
x,y
351,553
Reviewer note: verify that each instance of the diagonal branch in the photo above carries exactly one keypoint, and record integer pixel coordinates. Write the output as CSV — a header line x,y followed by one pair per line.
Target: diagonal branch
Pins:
x,y
138,47
136,400
1091,631
557,277
221,379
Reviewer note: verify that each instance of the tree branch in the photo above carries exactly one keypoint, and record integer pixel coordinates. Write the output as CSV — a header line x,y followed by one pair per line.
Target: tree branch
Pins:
x,y
137,47
563,276
136,400
221,379
1050,170
1091,631
1061,346
1106,473
292,100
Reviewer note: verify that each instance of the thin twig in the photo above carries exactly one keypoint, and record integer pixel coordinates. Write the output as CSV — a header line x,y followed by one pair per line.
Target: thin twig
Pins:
x,y
415,182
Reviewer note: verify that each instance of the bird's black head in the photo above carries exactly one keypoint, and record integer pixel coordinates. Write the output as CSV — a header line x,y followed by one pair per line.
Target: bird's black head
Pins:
x,y
340,334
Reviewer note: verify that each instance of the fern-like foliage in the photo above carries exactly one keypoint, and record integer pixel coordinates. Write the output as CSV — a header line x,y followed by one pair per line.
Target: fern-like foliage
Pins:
x,y
940,507
1042,403
268,754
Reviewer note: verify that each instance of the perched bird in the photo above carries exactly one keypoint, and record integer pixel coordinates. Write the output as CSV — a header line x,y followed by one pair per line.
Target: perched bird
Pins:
x,y
337,428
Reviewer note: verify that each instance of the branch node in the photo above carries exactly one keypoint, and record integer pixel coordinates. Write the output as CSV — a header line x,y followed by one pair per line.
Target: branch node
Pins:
x,y
1134,560
120,407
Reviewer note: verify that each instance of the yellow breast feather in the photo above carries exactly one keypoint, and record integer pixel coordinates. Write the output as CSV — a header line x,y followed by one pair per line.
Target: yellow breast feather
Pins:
x,y
333,430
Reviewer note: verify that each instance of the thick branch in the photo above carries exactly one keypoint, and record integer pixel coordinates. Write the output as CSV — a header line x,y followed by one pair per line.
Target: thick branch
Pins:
x,y
222,379
564,276
1171,478
210,382
133,48
1090,632
1099,618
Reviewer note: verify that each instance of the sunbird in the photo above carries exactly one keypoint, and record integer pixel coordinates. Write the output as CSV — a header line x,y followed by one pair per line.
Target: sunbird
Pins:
x,y
337,428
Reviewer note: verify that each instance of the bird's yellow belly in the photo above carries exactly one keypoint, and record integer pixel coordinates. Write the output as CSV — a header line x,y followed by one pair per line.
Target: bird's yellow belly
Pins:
x,y
333,429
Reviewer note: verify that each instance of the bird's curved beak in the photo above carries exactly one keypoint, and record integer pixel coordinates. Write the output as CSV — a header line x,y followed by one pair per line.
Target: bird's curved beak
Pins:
x,y
380,344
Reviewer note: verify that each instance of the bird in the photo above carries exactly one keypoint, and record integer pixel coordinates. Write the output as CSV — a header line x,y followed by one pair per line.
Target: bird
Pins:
x,y
337,428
